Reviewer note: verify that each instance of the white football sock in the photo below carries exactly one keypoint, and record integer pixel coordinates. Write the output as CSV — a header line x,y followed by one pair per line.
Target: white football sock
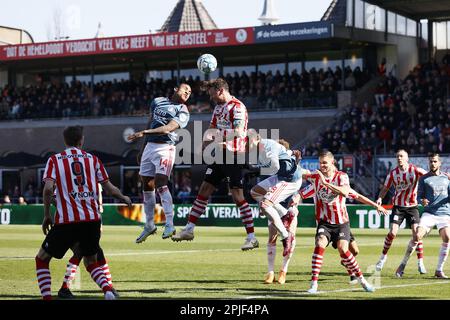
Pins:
x,y
271,253
149,207
167,203
409,250
287,258
443,254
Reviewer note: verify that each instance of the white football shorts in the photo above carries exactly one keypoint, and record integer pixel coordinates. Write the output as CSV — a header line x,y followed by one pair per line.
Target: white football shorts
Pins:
x,y
428,221
278,190
157,158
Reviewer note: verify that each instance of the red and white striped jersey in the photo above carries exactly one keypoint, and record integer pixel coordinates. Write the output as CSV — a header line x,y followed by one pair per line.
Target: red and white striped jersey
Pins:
x,y
226,118
77,175
405,184
307,191
329,206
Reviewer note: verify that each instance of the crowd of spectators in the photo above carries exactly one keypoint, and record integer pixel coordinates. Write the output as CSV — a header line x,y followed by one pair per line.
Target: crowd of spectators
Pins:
x,y
412,114
13,195
267,91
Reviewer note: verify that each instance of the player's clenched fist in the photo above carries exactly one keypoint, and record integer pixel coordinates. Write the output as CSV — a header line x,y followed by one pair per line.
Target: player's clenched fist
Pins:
x,y
135,136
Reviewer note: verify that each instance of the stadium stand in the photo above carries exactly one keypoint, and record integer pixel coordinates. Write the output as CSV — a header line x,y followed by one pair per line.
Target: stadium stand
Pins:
x,y
259,91
413,114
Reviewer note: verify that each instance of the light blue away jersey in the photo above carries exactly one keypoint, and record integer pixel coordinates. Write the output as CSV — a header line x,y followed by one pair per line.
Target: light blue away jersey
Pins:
x,y
435,189
163,111
295,174
278,160
270,154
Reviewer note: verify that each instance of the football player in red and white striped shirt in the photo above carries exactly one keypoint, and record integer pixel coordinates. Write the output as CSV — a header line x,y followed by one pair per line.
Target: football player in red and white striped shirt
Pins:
x,y
331,187
308,192
72,266
74,174
228,126
404,178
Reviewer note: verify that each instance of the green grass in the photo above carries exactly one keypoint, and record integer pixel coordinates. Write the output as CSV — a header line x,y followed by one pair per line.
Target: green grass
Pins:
x,y
213,267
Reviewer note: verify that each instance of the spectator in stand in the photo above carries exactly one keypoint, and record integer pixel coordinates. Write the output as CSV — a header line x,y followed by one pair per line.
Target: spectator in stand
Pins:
x,y
350,81
184,194
21,201
380,93
412,140
16,192
381,69
29,193
6,199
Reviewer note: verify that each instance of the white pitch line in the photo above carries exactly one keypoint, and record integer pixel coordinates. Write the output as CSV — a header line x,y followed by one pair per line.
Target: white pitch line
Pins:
x,y
138,253
167,252
171,252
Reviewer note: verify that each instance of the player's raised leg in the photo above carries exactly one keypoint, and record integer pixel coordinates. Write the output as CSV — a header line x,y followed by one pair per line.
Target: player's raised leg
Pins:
x,y
272,214
71,270
443,252
387,245
43,274
316,262
352,265
292,227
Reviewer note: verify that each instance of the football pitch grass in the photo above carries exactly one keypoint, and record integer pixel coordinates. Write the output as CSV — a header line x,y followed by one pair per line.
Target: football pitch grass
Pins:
x,y
213,267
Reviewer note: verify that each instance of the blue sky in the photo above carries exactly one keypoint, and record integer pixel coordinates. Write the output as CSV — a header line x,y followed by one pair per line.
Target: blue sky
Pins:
x,y
80,18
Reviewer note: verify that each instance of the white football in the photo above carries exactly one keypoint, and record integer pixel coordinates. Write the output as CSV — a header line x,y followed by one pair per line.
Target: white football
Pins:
x,y
207,63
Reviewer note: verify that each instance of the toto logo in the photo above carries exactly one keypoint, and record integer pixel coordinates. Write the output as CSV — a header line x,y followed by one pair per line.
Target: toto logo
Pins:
x,y
241,35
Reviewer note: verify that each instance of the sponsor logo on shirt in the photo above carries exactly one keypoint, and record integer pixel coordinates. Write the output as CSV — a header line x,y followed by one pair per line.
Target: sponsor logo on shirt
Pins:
x,y
82,195
325,196
402,185
183,117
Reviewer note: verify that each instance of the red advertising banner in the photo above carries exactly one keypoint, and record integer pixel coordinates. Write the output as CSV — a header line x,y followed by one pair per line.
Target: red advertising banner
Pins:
x,y
151,42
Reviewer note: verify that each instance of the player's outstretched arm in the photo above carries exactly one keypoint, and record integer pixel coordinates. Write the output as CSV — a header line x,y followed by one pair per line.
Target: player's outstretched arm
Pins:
x,y
387,184
343,190
359,197
115,192
166,129
383,192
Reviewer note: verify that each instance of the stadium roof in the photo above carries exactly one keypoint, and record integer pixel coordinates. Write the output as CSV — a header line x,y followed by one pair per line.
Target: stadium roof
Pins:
x,y
21,159
188,15
417,9
336,12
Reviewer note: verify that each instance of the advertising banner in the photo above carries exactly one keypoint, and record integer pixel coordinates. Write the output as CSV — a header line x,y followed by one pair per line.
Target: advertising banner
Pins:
x,y
150,42
221,215
293,32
